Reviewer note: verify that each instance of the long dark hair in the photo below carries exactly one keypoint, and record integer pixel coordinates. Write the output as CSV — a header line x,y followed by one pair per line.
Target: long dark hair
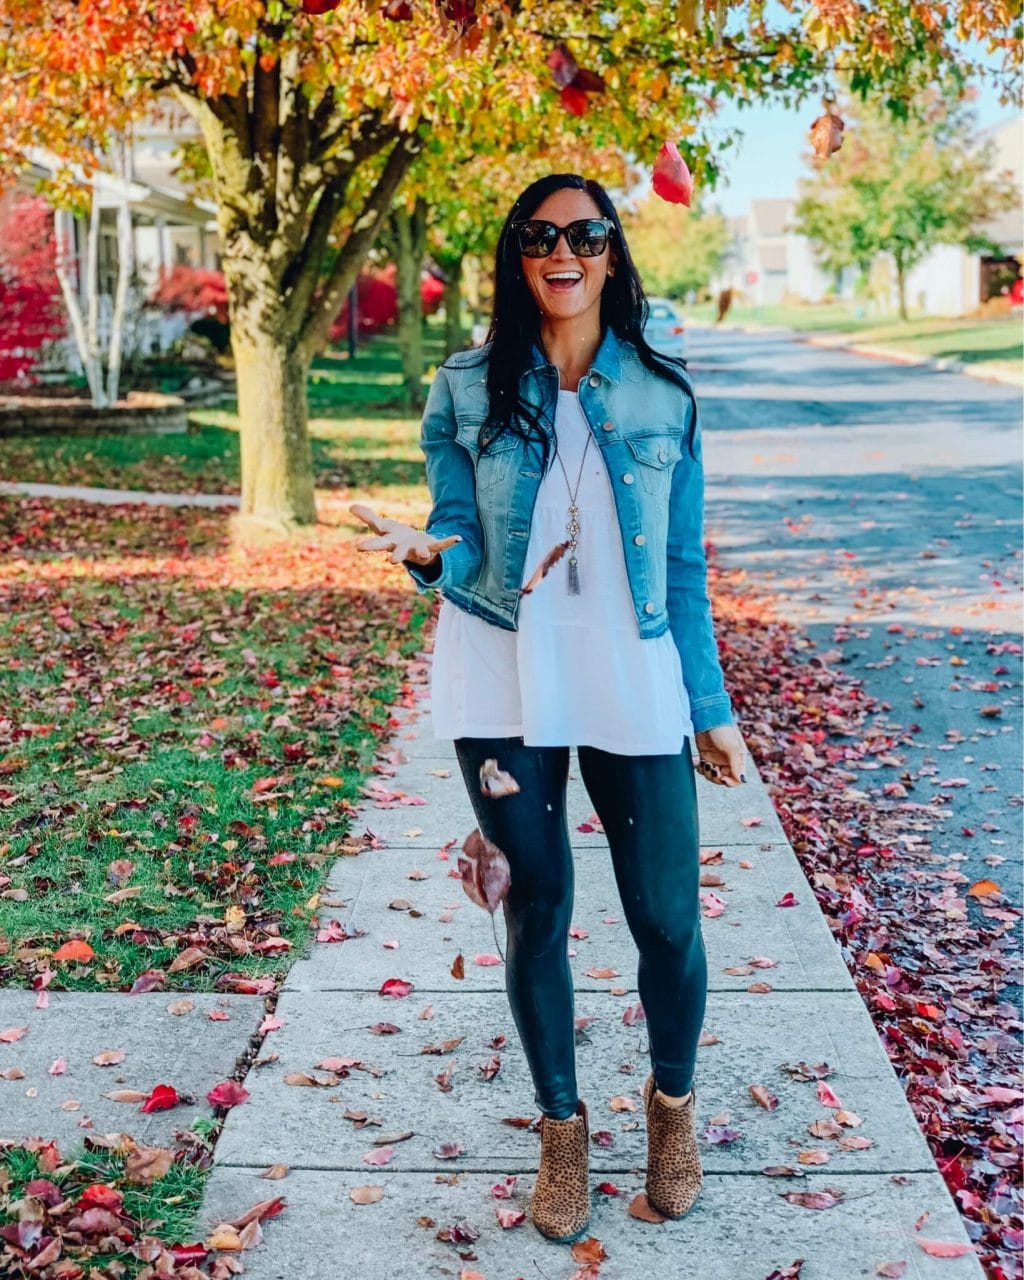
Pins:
x,y
515,321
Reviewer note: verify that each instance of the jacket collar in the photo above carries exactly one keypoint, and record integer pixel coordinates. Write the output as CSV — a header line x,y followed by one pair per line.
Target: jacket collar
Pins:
x,y
606,361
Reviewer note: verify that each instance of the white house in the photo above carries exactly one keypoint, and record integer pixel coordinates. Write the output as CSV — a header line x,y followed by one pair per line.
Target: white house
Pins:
x,y
767,261
169,227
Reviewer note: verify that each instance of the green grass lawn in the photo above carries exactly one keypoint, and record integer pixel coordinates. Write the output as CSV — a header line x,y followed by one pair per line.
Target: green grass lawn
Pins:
x,y
361,432
186,731
182,740
998,342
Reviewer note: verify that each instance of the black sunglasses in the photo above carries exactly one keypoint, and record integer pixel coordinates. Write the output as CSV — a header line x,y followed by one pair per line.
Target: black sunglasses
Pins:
x,y
586,237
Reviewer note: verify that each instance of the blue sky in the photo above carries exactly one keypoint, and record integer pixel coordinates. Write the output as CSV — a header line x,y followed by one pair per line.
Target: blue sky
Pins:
x,y
770,158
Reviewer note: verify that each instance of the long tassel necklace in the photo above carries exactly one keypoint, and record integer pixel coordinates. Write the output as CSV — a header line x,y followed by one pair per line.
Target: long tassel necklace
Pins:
x,y
573,523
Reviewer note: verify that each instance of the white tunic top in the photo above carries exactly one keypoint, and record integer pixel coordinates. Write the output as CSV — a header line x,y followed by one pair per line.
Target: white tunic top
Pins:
x,y
577,671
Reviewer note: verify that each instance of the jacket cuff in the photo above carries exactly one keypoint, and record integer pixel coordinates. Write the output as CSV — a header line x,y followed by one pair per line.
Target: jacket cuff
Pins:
x,y
711,712
456,563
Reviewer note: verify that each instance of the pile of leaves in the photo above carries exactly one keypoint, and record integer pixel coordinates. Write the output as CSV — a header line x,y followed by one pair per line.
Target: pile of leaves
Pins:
x,y
116,1209
930,953
184,735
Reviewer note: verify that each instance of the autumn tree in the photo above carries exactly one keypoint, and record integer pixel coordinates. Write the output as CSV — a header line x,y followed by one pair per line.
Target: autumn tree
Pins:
x,y
901,187
675,249
452,211
313,116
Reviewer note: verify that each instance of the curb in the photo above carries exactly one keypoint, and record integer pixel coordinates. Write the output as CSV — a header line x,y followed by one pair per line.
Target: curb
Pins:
x,y
831,340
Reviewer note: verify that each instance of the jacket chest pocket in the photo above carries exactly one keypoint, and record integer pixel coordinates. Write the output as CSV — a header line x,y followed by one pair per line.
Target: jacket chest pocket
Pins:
x,y
492,464
656,455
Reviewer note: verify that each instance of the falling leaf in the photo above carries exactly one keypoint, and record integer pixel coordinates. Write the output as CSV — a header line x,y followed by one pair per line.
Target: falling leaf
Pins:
x,y
554,555
495,782
484,871
826,134
671,178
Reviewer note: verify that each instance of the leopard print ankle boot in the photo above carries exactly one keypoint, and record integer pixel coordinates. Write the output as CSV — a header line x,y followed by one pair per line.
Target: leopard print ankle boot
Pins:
x,y
674,1173
560,1204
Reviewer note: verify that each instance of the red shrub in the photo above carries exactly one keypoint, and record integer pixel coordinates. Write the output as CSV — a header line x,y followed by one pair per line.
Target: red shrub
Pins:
x,y
194,289
31,311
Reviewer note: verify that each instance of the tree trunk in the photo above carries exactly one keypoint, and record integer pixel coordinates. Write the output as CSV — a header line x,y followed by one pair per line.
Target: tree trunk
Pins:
x,y
277,460
85,335
283,168
409,234
452,305
125,266
901,285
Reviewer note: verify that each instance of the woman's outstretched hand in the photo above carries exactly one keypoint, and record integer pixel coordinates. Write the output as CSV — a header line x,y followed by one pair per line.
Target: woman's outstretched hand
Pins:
x,y
722,755
402,540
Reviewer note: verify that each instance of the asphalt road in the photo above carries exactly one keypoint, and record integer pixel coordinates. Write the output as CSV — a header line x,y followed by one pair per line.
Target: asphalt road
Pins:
x,y
863,495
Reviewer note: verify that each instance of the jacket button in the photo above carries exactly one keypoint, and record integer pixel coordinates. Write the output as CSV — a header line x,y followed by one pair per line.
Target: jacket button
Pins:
x,y
594,380
627,478
639,539
648,607
662,455
608,426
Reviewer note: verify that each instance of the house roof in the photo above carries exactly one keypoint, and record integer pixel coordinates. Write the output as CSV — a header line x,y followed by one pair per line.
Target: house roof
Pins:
x,y
145,198
771,215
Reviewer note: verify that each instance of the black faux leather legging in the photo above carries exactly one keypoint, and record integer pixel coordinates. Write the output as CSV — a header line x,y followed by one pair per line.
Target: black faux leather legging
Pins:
x,y
648,807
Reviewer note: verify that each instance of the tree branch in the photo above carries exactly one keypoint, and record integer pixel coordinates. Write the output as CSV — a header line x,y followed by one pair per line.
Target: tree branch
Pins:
x,y
326,305
303,272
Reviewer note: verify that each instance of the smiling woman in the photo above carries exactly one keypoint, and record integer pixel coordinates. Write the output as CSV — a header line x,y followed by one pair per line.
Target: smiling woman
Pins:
x,y
566,437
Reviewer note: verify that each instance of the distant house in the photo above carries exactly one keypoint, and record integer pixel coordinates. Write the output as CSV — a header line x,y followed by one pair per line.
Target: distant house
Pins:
x,y
169,228
767,261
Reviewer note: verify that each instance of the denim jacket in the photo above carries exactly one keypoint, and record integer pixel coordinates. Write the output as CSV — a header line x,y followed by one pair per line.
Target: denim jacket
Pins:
x,y
639,421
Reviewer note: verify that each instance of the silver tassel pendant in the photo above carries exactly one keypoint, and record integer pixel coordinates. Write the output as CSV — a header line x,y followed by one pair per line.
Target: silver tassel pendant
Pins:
x,y
573,529
574,577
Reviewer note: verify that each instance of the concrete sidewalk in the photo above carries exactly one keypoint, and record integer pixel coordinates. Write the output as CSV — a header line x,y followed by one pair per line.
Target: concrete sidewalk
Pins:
x,y
115,497
741,1227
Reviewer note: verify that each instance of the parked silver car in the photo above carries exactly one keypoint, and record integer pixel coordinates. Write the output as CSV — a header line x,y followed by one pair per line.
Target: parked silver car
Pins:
x,y
664,329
